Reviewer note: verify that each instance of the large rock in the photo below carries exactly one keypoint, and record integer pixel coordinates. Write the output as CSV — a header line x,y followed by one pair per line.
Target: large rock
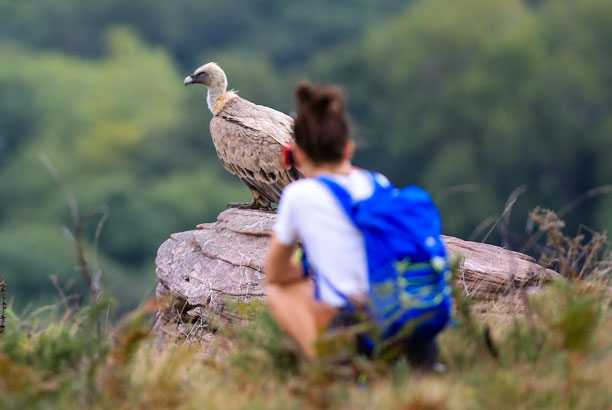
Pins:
x,y
204,269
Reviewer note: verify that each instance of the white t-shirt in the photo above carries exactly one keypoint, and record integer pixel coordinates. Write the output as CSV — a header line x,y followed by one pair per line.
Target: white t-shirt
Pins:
x,y
309,213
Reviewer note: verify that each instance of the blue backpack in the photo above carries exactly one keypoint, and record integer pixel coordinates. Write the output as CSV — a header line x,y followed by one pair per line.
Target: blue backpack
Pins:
x,y
408,271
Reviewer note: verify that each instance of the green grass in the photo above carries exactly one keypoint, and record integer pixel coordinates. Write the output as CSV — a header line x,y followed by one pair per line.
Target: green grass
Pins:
x,y
558,355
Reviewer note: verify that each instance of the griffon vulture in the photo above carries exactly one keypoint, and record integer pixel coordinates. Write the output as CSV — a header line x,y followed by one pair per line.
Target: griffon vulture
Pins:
x,y
249,138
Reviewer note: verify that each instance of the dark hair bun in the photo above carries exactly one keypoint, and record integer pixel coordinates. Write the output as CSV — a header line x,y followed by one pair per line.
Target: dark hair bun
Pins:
x,y
319,101
321,129
322,103
304,92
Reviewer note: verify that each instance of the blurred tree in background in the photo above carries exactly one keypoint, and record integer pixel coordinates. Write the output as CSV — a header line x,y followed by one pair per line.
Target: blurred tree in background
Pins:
x,y
471,99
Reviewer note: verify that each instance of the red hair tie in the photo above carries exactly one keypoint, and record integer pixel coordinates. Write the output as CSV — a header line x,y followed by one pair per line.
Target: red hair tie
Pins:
x,y
288,156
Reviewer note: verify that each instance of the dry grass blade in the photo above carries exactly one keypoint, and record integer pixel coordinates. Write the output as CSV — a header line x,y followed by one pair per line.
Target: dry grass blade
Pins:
x,y
72,202
3,315
75,236
59,289
508,207
600,190
488,221
504,227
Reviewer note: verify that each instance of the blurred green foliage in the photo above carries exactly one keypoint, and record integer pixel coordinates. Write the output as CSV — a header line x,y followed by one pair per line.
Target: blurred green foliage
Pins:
x,y
470,99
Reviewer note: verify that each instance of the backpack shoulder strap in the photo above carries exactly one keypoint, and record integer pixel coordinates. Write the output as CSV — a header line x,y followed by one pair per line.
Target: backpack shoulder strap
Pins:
x,y
346,202
343,197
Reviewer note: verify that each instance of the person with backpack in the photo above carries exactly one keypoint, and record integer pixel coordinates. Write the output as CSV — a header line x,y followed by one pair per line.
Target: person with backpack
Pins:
x,y
367,249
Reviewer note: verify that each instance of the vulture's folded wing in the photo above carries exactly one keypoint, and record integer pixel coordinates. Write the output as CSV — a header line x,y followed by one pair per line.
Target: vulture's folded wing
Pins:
x,y
249,141
268,121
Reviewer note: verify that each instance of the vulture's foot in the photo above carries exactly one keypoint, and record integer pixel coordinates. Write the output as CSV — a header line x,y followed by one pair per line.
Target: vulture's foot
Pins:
x,y
256,204
241,205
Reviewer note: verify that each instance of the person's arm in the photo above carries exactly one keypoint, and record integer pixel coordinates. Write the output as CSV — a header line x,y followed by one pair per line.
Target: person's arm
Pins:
x,y
281,267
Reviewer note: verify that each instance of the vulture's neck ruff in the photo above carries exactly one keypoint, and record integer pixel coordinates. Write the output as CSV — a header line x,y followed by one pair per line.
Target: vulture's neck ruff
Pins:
x,y
217,97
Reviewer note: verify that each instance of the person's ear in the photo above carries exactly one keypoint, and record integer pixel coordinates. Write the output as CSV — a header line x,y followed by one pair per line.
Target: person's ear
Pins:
x,y
349,150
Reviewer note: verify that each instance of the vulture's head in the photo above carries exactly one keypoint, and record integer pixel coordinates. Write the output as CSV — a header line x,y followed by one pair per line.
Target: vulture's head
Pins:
x,y
210,75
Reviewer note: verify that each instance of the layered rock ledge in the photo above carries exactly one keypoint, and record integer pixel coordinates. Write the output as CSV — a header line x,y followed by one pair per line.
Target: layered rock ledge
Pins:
x,y
203,270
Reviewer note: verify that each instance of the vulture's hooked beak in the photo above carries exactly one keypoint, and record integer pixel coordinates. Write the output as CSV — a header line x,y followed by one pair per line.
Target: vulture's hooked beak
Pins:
x,y
188,80
197,78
